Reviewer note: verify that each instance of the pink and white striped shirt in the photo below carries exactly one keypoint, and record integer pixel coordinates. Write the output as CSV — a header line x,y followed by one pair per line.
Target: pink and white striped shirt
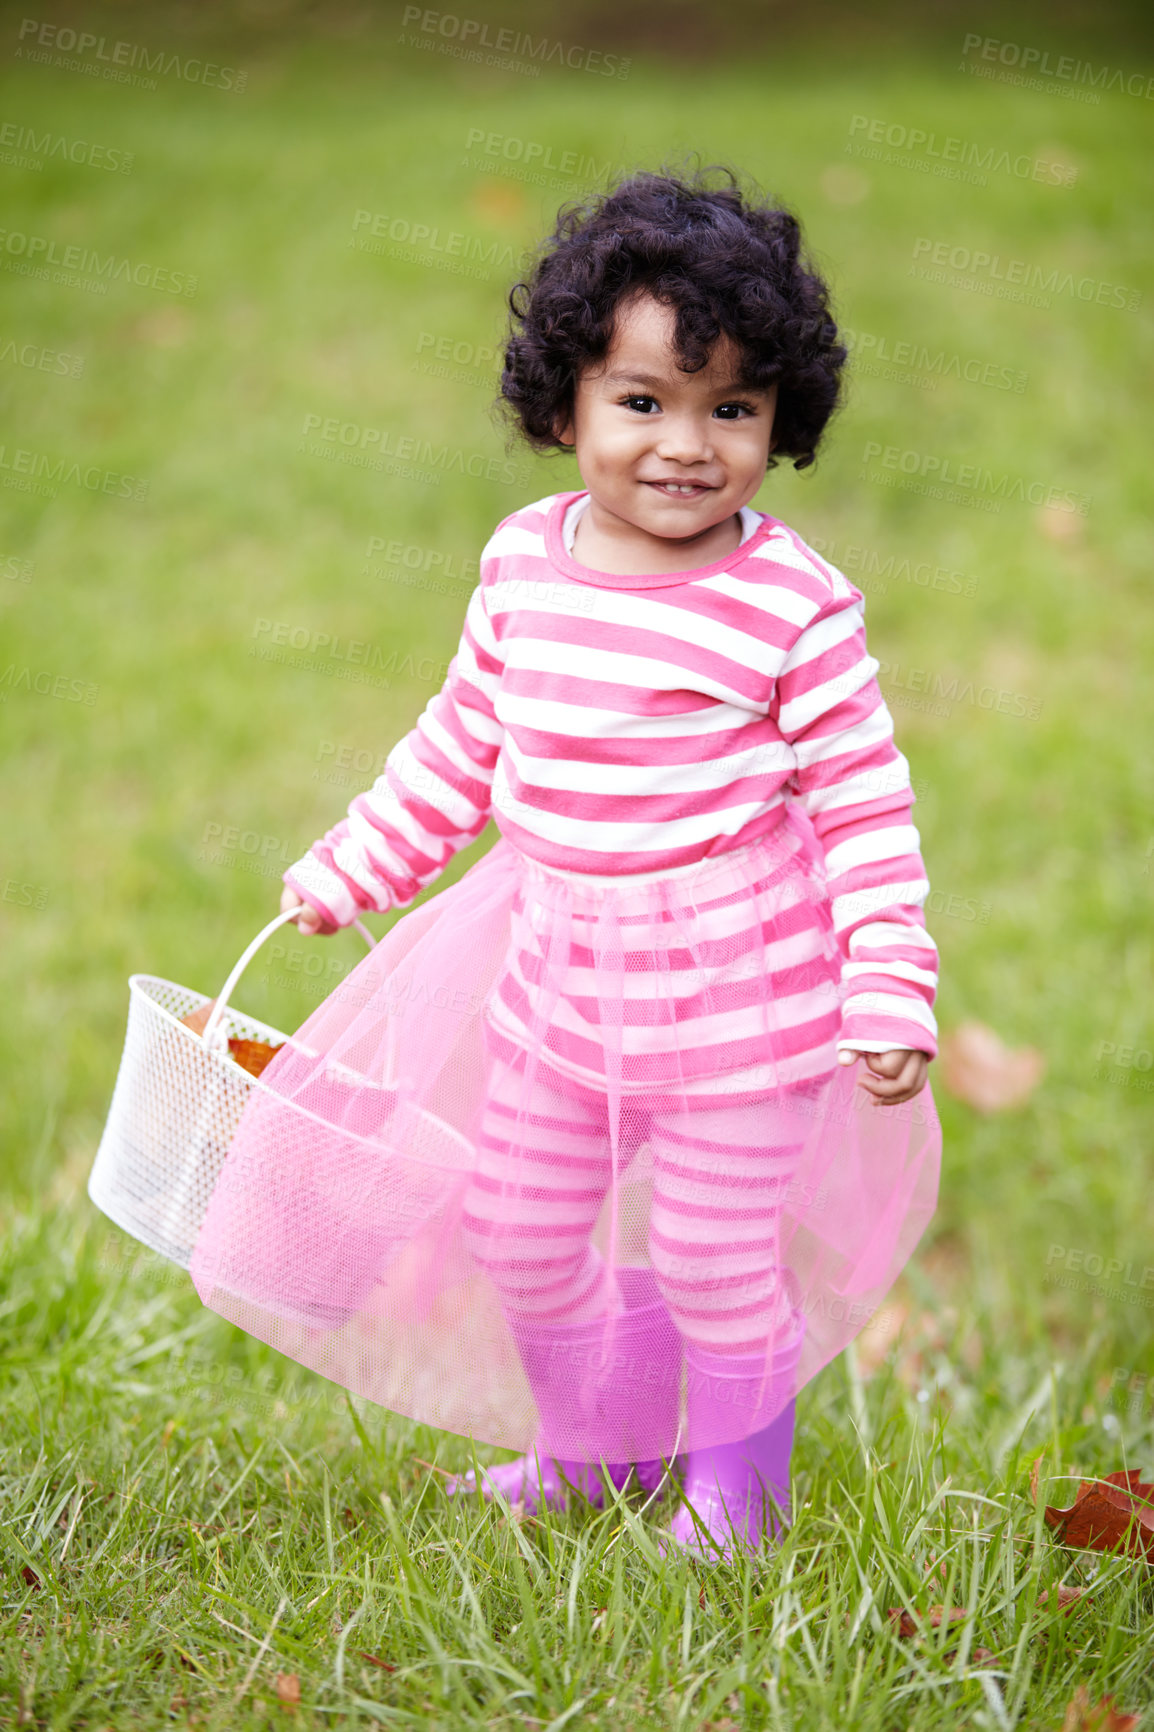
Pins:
x,y
621,724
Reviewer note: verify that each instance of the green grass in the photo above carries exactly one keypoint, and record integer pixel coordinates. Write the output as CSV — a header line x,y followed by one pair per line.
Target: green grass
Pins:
x,y
123,1438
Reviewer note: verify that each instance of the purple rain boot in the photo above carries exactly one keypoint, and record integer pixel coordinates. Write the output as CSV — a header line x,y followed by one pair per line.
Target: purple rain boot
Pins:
x,y
534,1480
624,1415
739,1491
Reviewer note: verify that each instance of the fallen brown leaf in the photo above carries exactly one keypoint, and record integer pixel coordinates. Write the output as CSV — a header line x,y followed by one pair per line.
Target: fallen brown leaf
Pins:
x,y
1107,1513
252,1055
981,1070
1066,1598
29,1576
288,1691
936,1616
1103,1717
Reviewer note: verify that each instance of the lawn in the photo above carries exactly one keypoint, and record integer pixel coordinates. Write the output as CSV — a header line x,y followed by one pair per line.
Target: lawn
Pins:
x,y
247,470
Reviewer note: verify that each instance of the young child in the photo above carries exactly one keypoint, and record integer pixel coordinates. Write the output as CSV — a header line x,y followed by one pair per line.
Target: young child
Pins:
x,y
572,1161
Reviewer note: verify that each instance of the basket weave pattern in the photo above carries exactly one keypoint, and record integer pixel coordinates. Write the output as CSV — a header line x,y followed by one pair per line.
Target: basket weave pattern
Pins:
x,y
174,1112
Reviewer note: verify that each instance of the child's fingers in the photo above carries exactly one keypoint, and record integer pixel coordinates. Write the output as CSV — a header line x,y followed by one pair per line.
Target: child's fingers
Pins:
x,y
892,1089
889,1064
310,921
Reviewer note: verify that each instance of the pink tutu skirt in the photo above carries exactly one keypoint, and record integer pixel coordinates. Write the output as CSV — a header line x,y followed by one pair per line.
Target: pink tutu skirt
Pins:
x,y
560,1139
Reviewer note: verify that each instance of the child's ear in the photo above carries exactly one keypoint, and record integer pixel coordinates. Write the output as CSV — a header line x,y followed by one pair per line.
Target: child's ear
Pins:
x,y
563,428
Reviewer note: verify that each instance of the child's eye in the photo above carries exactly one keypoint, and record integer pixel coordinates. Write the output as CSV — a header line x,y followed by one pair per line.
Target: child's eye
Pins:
x,y
643,405
734,411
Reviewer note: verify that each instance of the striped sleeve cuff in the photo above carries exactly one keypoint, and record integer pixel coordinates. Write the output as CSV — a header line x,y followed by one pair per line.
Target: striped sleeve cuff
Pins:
x,y
884,1021
324,889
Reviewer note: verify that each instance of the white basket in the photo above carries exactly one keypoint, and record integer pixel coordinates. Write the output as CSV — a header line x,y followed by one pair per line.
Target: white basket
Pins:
x,y
176,1106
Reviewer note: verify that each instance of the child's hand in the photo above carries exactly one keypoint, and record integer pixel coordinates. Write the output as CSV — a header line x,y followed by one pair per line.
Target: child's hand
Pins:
x,y
892,1076
311,921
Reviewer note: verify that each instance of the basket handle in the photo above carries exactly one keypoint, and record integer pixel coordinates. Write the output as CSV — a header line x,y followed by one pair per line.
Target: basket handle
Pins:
x,y
221,1006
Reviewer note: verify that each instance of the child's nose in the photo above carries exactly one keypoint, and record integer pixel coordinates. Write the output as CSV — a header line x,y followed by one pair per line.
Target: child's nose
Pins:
x,y
684,440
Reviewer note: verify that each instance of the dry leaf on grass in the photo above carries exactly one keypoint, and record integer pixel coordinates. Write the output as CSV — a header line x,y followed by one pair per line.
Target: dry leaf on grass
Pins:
x,y
907,1625
1102,1717
981,1070
288,1691
1117,1510
29,1576
1065,1598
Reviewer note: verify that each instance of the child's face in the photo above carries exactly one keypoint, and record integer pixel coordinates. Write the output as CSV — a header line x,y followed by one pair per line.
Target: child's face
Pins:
x,y
668,453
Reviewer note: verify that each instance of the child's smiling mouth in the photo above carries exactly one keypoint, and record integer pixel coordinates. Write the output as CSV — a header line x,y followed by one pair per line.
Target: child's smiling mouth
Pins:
x,y
682,489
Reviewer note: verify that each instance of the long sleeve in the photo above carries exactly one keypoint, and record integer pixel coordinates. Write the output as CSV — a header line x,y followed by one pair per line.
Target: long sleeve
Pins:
x,y
855,786
431,799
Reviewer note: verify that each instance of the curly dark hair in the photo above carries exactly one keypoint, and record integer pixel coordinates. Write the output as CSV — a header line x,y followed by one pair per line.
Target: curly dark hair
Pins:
x,y
724,261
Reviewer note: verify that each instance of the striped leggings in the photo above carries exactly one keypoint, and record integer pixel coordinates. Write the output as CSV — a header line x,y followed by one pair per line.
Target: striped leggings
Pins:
x,y
720,1178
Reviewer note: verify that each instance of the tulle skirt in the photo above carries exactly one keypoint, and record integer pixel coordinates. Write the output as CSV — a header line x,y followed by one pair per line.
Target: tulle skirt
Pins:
x,y
560,1142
